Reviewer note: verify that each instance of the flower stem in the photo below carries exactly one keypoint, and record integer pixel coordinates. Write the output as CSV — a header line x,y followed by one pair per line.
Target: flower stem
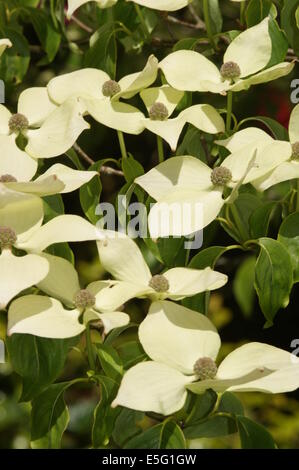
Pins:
x,y
160,149
229,110
242,12
89,348
142,21
122,144
206,13
297,204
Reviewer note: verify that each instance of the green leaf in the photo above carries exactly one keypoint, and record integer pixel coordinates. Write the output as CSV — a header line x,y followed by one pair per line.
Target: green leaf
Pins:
x,y
253,435
110,361
278,131
260,218
131,168
202,407
243,285
215,16
279,43
90,192
104,415
131,352
127,426
288,236
214,426
39,361
50,417
103,51
273,277
172,251
48,35
257,10
245,204
289,23
191,145
15,62
186,44
229,403
162,436
172,436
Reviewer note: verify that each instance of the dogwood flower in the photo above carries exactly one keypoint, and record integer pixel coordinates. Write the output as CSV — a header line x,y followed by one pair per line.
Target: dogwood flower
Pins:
x,y
189,193
4,43
163,5
47,317
287,170
122,258
162,101
100,94
50,130
244,64
21,217
183,346
57,179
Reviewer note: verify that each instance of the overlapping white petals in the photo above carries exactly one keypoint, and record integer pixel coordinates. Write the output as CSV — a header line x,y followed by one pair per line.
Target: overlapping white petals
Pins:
x,y
73,5
43,316
163,5
245,137
151,386
36,105
164,94
177,336
293,125
18,273
184,282
109,320
131,84
63,228
58,132
21,212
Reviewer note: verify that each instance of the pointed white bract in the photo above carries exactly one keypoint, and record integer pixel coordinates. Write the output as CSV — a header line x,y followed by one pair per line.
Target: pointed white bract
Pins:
x,y
178,341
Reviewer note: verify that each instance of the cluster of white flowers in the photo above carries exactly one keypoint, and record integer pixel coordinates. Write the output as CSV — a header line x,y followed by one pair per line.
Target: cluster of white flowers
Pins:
x,y
182,344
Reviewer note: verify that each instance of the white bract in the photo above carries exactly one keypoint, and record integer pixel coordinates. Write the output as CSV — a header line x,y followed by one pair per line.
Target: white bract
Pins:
x,y
122,258
161,103
183,346
101,95
50,130
188,187
21,217
4,43
244,64
287,170
48,318
163,5
57,179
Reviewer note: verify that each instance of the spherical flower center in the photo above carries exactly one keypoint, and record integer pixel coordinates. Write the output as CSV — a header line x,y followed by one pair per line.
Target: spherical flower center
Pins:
x,y
205,368
7,179
8,237
158,112
295,151
18,123
159,283
230,71
110,88
221,176
84,299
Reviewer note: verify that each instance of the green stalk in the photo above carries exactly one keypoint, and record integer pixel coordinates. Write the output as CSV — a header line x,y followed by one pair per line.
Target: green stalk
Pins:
x,y
142,21
160,149
207,19
242,12
122,144
89,348
229,111
297,203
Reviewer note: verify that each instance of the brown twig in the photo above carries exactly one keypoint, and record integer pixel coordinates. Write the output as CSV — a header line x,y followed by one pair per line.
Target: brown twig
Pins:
x,y
186,24
81,24
105,170
198,20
